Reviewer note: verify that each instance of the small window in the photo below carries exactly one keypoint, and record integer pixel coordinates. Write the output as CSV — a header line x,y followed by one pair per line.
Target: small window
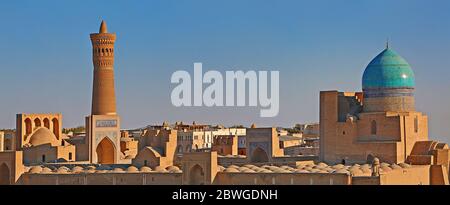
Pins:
x,y
373,128
43,158
416,125
145,162
70,155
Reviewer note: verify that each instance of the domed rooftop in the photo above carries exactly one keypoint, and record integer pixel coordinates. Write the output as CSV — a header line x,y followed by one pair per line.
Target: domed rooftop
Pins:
x,y
46,170
77,169
388,70
145,169
116,170
172,168
132,169
35,169
43,136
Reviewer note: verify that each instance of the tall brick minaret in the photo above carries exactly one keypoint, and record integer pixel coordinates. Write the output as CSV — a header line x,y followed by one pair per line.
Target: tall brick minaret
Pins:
x,y
103,95
102,141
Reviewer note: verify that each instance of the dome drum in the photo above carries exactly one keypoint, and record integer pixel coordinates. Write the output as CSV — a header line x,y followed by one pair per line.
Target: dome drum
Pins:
x,y
388,92
385,104
388,99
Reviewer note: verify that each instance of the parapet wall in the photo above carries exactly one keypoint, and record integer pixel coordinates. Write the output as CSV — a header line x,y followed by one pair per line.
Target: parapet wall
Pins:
x,y
291,160
299,150
416,175
102,179
223,178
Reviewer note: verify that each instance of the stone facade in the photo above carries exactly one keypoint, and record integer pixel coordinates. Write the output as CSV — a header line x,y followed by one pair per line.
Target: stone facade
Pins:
x,y
7,140
203,168
39,136
156,148
102,140
262,144
225,145
389,136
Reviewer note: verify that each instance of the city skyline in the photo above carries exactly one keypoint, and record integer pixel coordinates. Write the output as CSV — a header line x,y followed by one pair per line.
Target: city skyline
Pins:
x,y
152,46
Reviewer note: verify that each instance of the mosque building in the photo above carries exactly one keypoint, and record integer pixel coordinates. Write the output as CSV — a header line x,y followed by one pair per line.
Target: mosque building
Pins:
x,y
373,137
380,121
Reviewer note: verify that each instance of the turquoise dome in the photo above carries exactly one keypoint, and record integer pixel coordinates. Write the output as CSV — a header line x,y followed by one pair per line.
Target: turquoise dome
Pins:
x,y
388,70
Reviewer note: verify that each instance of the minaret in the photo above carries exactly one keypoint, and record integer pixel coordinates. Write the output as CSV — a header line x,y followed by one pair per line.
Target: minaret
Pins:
x,y
103,95
102,141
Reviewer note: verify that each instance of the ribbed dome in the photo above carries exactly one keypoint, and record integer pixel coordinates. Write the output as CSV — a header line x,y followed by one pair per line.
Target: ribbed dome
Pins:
x,y
388,70
43,136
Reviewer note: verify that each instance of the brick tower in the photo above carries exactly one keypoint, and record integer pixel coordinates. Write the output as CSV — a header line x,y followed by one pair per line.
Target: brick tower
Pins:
x,y
103,95
102,142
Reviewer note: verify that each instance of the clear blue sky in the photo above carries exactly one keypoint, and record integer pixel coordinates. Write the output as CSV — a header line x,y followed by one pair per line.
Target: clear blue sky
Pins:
x,y
45,54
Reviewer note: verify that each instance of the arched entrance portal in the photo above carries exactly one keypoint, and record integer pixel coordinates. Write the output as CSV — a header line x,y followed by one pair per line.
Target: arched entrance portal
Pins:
x,y
4,175
105,151
259,155
196,175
